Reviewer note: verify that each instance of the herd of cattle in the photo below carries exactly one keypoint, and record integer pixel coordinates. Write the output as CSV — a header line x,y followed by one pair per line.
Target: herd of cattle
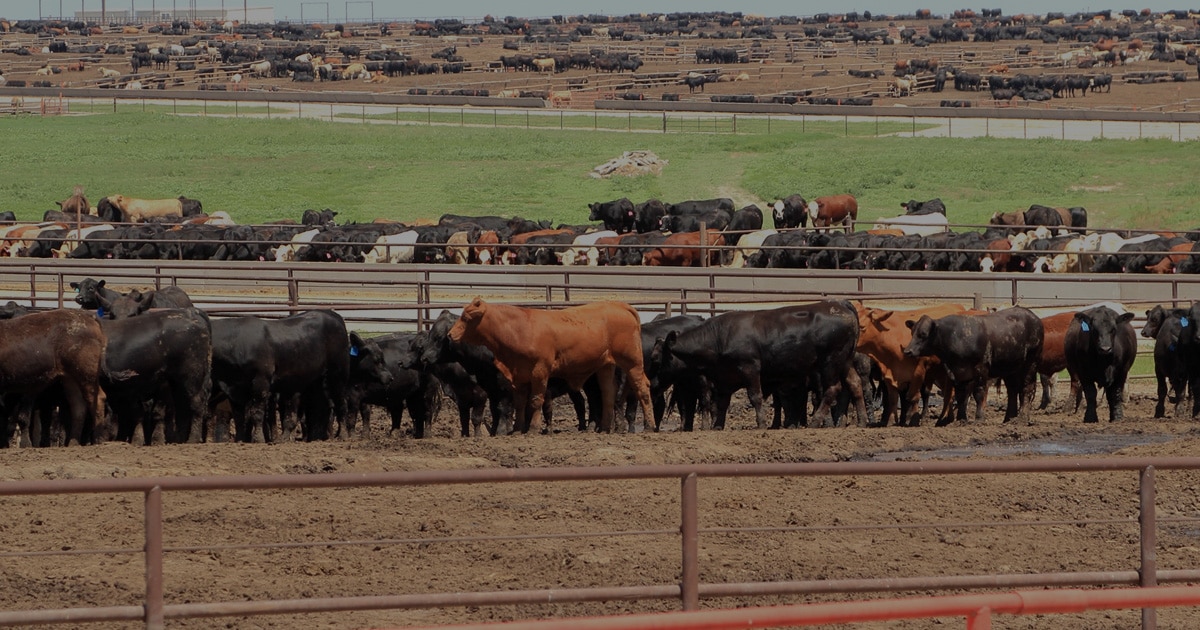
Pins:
x,y
149,367
816,234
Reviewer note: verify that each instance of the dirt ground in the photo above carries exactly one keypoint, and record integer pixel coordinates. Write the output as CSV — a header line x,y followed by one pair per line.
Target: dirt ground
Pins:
x,y
418,517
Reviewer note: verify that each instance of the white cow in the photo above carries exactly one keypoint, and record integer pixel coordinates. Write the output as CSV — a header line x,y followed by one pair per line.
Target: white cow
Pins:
x,y
583,250
748,245
260,68
287,253
914,224
393,248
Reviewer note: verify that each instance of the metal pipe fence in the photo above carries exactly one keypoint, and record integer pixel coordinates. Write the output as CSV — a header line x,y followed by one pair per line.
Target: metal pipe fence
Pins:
x,y
155,608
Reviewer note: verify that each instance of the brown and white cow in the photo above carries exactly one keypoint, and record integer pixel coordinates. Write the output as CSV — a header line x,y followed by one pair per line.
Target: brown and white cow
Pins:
x,y
831,209
531,346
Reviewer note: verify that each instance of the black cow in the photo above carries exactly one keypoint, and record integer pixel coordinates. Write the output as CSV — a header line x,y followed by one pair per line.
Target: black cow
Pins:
x,y
191,207
318,217
648,215
135,302
1006,344
747,219
379,377
712,220
1100,347
770,352
700,206
617,215
164,356
306,354
932,206
685,392
1165,327
790,212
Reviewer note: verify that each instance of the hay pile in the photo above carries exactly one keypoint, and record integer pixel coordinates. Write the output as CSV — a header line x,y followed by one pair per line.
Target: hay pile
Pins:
x,y
631,164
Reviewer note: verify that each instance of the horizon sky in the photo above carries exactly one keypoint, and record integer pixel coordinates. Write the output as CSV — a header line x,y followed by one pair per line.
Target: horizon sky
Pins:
x,y
359,10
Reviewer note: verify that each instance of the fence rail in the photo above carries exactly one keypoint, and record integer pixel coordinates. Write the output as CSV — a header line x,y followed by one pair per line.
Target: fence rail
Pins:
x,y
689,590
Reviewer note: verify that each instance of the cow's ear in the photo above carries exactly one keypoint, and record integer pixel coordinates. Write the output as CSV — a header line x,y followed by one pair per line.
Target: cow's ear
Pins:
x,y
1124,317
75,285
670,339
910,323
356,344
100,284
879,316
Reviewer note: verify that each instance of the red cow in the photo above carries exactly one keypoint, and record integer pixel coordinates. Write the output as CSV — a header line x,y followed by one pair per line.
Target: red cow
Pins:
x,y
882,336
683,250
1054,357
826,211
531,346
484,249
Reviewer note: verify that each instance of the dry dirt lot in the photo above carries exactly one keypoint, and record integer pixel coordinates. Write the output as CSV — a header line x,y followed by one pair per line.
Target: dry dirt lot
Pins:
x,y
786,66
419,516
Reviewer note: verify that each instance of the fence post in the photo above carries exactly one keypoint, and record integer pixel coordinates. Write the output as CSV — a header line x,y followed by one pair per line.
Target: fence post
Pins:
x,y
689,587
703,244
293,292
154,562
1149,542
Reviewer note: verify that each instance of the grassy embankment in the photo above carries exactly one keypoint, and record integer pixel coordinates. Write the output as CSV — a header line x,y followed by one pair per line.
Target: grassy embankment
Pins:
x,y
260,170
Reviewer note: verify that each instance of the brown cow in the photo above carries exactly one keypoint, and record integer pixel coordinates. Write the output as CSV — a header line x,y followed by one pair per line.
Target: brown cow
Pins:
x,y
1179,253
1054,357
826,211
484,249
531,346
76,203
61,348
683,250
883,334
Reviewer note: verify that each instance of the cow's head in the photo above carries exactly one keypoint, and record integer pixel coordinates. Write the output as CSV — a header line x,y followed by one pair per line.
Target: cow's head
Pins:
x,y
923,331
468,321
1154,320
87,292
438,340
366,362
129,305
1099,327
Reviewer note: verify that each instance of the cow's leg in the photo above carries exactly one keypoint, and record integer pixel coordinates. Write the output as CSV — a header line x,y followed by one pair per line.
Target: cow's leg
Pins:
x,y
527,405
1089,392
1014,387
1048,381
893,407
755,394
635,378
256,411
962,393
1116,401
1179,386
721,401
606,380
855,386
477,412
823,412
1160,408
418,410
686,400
1076,391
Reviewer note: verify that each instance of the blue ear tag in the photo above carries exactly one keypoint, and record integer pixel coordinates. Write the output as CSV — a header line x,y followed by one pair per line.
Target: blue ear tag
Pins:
x,y
100,312
1085,327
353,351
1183,322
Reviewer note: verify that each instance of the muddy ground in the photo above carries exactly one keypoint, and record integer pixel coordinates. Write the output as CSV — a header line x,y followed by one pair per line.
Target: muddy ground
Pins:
x,y
419,516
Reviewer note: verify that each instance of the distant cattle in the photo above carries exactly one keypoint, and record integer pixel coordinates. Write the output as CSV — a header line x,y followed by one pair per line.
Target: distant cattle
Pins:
x,y
532,345
914,207
133,210
683,249
915,224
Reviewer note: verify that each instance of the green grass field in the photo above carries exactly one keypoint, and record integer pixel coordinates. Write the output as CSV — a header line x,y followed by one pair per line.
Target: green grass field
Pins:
x,y
260,170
